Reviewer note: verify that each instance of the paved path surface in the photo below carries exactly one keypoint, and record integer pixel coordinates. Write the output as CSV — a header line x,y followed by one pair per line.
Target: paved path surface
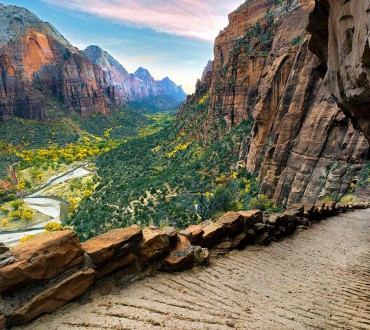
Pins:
x,y
318,279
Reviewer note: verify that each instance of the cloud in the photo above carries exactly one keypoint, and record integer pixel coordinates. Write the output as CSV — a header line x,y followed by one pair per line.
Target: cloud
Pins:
x,y
197,19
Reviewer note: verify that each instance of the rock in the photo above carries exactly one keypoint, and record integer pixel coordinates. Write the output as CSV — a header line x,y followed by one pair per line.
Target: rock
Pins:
x,y
3,249
6,257
201,256
232,222
241,240
116,264
212,235
259,228
54,297
340,39
251,217
39,65
154,246
41,258
180,258
172,236
3,322
193,233
264,239
300,151
113,243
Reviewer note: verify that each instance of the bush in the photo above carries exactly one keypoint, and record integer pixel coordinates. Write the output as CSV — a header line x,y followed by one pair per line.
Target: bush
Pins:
x,y
263,203
53,226
26,238
348,199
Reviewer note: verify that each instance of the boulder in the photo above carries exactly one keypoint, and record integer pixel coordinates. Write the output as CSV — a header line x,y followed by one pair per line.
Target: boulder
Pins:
x,y
180,258
3,248
172,236
3,322
212,235
193,233
264,239
111,244
54,297
241,240
232,222
154,246
201,256
251,217
116,264
41,258
6,259
259,228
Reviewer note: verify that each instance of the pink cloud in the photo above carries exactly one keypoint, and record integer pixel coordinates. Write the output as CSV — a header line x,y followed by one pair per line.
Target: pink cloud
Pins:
x,y
199,19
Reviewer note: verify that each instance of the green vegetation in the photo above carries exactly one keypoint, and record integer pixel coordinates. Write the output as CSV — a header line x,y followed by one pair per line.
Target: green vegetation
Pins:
x,y
44,146
298,41
169,178
155,104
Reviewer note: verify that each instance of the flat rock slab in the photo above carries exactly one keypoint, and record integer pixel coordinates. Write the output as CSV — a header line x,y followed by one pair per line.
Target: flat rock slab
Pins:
x,y
113,243
154,245
41,258
54,297
280,286
180,258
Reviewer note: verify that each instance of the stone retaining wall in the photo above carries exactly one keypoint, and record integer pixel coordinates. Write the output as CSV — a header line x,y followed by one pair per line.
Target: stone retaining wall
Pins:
x,y
47,272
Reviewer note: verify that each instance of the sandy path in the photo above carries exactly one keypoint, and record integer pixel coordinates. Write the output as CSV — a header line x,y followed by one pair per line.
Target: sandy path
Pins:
x,y
317,279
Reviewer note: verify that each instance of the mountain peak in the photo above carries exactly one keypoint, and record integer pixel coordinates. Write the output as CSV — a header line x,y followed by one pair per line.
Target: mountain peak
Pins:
x,y
142,74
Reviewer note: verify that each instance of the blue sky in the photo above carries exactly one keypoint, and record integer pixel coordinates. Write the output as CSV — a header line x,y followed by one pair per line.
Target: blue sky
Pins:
x,y
171,38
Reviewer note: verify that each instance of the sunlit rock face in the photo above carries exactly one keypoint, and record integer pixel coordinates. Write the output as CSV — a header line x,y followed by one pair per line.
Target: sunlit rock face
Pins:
x,y
341,38
302,146
43,75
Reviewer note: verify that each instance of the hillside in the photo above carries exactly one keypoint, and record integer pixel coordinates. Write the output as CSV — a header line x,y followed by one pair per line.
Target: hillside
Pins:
x,y
260,123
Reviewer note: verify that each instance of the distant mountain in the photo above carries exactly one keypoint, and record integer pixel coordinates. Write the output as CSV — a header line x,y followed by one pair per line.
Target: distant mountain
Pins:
x,y
45,77
132,87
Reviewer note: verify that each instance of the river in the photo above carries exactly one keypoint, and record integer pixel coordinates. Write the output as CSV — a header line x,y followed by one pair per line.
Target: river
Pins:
x,y
54,207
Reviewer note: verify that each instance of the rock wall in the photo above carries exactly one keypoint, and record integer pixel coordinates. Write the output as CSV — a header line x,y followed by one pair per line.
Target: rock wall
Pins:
x,y
43,76
302,146
47,272
340,38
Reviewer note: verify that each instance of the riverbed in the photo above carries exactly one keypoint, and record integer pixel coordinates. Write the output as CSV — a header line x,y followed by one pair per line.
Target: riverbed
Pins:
x,y
54,207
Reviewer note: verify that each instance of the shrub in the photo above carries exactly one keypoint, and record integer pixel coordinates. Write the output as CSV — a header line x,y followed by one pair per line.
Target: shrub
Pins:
x,y
53,226
263,203
26,238
348,199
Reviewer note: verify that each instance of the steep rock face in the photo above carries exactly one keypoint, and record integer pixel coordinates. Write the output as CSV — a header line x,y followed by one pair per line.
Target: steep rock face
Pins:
x,y
302,146
341,39
41,72
115,75
122,86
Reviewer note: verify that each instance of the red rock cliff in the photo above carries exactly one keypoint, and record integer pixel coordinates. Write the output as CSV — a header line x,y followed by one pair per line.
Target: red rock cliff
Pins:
x,y
302,146
341,38
42,72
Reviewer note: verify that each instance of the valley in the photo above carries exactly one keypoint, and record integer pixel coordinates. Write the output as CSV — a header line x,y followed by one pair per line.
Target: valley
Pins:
x,y
259,179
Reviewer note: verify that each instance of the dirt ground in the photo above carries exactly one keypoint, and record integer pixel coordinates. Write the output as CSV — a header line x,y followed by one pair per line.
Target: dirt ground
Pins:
x,y
317,279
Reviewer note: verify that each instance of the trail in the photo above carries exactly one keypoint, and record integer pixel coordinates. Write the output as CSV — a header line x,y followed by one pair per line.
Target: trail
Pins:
x,y
316,279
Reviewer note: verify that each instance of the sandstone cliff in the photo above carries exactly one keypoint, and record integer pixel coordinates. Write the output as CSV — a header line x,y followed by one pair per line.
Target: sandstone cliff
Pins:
x,y
43,76
341,38
43,73
302,146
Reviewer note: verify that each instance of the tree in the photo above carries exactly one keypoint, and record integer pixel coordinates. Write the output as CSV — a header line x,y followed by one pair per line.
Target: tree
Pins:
x,y
27,216
16,205
5,222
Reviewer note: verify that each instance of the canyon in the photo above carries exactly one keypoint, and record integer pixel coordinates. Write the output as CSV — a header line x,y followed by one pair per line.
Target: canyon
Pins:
x,y
293,76
302,146
44,77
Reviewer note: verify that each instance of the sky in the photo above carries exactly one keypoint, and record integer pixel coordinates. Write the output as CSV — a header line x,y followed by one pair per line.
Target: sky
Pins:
x,y
171,38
